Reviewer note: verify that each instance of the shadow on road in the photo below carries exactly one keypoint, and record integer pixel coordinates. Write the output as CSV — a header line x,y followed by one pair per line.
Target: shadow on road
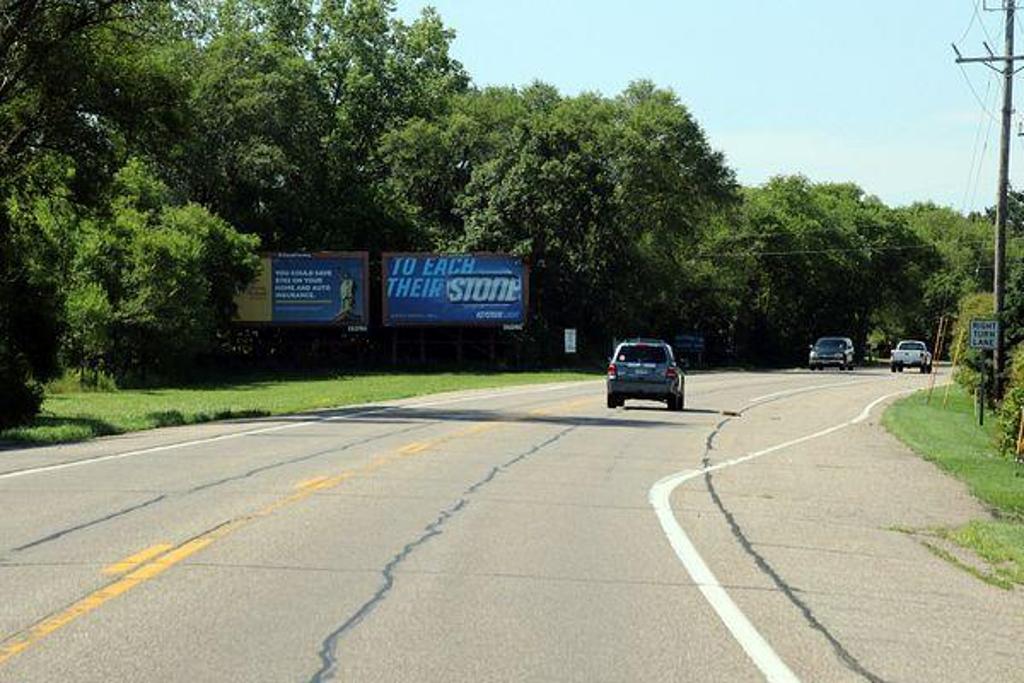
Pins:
x,y
390,415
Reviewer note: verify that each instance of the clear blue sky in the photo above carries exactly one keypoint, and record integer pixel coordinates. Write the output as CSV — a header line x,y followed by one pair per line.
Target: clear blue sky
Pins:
x,y
865,91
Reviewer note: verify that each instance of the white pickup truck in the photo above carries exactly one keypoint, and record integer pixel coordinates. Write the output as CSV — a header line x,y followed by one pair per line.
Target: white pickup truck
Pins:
x,y
911,354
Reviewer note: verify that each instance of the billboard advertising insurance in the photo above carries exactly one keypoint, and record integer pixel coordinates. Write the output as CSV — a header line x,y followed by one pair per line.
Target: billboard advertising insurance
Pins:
x,y
464,289
322,288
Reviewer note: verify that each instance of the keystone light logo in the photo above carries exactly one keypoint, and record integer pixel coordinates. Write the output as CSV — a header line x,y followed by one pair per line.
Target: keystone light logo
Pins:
x,y
480,289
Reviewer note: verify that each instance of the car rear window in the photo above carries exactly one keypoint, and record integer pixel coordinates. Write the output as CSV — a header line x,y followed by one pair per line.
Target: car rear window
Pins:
x,y
641,354
911,346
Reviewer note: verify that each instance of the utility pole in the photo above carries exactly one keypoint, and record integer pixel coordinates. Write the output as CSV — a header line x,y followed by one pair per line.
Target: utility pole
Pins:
x,y
1002,197
1002,202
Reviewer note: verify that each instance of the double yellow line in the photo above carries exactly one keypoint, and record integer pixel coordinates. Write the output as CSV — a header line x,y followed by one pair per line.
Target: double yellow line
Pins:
x,y
26,639
156,559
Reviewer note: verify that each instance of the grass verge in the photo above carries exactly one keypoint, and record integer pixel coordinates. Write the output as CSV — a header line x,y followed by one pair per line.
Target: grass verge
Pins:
x,y
952,439
75,416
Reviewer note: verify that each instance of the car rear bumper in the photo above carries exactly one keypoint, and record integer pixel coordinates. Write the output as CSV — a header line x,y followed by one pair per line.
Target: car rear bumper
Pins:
x,y
634,389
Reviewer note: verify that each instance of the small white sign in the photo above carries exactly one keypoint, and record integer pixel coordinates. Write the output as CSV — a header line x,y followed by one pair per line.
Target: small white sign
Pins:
x,y
570,340
984,334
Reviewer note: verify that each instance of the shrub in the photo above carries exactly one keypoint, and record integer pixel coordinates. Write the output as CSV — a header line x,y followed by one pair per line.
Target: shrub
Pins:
x,y
82,381
20,396
1009,414
970,362
153,282
88,316
30,303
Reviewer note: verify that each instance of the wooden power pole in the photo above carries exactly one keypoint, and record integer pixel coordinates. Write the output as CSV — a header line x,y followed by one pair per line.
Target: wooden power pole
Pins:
x,y
1002,192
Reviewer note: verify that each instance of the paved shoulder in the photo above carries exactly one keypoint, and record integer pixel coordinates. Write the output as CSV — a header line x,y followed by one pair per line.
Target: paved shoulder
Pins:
x,y
813,526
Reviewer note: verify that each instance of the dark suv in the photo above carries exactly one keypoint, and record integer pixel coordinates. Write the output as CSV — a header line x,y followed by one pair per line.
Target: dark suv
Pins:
x,y
645,369
831,352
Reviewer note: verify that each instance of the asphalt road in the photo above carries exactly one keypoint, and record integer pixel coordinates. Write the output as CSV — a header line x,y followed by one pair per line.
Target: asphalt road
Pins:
x,y
525,534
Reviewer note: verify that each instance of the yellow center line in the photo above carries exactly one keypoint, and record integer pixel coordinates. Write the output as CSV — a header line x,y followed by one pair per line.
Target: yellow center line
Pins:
x,y
94,600
133,561
310,483
414,447
155,560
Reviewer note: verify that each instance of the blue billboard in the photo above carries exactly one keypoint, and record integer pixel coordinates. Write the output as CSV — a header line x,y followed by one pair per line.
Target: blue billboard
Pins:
x,y
322,288
464,289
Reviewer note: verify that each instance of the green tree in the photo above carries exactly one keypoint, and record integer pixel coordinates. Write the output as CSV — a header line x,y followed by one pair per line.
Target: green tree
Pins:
x,y
89,318
971,362
153,280
430,160
79,82
258,120
673,190
290,105
606,198
822,260
961,259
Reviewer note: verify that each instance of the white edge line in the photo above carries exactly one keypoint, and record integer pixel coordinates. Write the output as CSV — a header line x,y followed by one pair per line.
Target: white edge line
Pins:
x,y
790,392
753,643
276,428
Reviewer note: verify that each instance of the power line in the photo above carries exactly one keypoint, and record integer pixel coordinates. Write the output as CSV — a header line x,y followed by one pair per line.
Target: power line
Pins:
x,y
981,21
981,159
971,181
981,103
975,16
845,250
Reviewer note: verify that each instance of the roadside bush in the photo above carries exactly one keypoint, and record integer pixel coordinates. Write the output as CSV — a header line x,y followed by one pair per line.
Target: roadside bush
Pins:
x,y
970,362
82,381
1008,421
20,396
88,316
1009,413
30,303
152,283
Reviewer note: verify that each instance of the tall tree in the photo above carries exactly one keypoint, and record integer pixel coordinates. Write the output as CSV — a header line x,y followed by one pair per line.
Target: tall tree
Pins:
x,y
77,83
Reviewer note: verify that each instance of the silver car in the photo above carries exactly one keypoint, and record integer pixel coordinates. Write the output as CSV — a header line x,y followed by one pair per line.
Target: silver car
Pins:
x,y
645,369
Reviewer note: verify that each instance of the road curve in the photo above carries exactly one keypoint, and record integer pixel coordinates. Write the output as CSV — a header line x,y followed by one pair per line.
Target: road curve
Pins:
x,y
522,534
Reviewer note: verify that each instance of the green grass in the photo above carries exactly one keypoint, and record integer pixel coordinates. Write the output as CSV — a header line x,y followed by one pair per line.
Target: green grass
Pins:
x,y
952,439
987,576
79,415
1000,543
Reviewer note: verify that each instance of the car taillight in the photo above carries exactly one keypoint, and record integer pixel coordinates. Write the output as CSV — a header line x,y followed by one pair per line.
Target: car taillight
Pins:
x,y
613,371
671,373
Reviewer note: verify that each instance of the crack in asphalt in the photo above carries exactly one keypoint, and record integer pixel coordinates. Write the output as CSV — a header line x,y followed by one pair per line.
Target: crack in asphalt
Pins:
x,y
218,482
85,525
209,485
57,535
303,458
327,654
844,655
